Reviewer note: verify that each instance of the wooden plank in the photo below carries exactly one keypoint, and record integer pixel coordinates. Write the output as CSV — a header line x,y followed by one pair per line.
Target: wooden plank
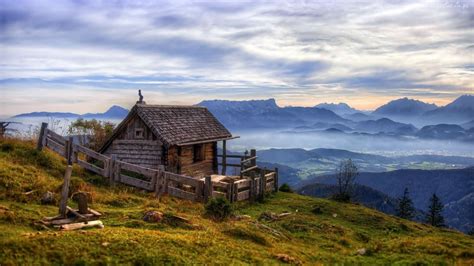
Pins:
x,y
176,192
56,137
249,169
183,179
56,147
270,175
136,141
249,159
219,194
136,182
148,172
89,152
232,156
244,183
75,226
91,167
219,184
243,195
230,164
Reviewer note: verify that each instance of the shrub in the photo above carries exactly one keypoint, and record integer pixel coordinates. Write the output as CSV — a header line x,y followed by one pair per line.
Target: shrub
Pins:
x,y
286,188
218,208
6,147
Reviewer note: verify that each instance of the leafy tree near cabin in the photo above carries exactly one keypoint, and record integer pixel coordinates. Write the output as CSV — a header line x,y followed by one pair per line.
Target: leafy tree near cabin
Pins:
x,y
434,216
405,207
92,133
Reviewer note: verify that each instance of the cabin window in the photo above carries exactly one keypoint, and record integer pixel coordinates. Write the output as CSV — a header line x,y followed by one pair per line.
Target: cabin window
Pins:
x,y
198,152
139,133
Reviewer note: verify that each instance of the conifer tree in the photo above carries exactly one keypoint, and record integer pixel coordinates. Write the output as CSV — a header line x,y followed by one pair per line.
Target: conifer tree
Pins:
x,y
405,208
435,209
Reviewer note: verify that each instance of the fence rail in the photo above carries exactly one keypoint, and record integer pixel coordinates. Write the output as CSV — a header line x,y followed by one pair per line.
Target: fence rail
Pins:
x,y
158,180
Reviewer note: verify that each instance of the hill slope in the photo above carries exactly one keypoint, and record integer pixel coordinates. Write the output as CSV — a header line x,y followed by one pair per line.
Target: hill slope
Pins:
x,y
330,237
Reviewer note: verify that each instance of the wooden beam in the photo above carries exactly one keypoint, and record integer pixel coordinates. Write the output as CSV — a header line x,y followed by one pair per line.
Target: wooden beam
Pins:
x,y
42,136
206,141
249,169
224,157
65,192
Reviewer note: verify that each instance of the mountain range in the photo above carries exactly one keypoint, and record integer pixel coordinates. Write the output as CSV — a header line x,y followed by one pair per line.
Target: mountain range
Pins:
x,y
114,112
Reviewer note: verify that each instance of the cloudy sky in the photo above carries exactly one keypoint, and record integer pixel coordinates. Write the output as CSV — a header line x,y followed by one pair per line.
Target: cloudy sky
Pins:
x,y
83,56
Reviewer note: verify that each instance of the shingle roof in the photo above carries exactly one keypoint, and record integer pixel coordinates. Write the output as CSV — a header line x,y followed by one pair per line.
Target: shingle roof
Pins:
x,y
175,125
182,124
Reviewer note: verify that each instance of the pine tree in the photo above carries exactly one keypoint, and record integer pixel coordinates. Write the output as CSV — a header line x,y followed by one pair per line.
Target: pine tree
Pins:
x,y
405,208
435,209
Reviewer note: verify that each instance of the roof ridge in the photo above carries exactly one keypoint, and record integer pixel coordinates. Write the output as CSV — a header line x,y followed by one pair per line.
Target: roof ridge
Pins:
x,y
170,106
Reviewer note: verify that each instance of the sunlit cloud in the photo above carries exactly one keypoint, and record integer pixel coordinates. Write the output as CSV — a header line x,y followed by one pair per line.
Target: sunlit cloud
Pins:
x,y
300,53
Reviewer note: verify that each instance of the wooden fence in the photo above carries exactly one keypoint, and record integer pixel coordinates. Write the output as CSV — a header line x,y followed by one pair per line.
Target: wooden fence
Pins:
x,y
158,180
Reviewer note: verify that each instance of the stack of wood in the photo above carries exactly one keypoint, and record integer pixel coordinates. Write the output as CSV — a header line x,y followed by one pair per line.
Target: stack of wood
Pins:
x,y
72,219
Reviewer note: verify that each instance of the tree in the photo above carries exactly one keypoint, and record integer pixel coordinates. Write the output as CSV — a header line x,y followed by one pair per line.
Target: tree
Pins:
x,y
92,133
3,128
405,208
346,174
435,209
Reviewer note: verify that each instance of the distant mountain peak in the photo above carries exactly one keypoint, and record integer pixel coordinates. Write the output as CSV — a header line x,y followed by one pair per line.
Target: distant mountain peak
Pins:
x,y
403,107
338,108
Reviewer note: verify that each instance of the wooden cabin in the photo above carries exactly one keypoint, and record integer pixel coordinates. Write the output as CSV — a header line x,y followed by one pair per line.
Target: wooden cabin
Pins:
x,y
181,138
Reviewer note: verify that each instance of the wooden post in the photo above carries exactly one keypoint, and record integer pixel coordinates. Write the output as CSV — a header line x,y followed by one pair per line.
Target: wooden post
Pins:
x,y
235,191
65,192
253,187
242,167
253,153
165,183
42,136
275,180
81,198
262,185
207,188
230,188
117,171
224,158
69,150
112,161
215,164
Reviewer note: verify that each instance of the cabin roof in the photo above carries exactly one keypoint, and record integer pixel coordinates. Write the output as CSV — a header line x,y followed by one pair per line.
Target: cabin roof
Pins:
x,y
176,125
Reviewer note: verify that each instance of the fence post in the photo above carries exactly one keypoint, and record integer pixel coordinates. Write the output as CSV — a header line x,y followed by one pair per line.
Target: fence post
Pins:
x,y
235,191
69,150
111,176
207,188
253,154
252,187
165,183
65,192
224,158
262,185
42,136
275,180
230,188
117,170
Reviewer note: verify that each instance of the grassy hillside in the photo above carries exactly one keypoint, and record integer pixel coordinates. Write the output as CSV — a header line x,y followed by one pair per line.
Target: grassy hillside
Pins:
x,y
332,236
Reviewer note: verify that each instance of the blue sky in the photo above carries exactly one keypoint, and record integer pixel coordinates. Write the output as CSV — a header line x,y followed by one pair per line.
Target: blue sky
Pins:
x,y
83,56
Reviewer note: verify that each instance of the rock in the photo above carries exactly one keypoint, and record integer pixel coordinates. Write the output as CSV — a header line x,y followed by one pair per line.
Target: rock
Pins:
x,y
242,217
104,244
48,198
361,251
334,215
287,259
153,216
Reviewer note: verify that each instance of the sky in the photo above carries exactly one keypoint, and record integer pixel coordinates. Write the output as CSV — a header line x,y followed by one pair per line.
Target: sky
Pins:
x,y
83,56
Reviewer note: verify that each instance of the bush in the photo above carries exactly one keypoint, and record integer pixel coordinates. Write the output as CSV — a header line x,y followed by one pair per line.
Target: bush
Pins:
x,y
218,208
286,188
6,147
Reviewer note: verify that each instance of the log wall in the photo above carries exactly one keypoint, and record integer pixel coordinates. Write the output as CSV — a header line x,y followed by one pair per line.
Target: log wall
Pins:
x,y
144,150
200,169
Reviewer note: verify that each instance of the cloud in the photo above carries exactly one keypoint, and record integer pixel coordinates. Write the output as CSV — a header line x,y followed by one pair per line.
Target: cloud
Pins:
x,y
292,51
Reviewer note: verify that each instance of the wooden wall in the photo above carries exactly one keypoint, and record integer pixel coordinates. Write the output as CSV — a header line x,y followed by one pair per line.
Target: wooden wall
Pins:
x,y
181,161
145,151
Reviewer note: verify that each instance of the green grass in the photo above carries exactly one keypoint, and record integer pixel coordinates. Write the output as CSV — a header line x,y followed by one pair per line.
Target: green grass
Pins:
x,y
332,237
